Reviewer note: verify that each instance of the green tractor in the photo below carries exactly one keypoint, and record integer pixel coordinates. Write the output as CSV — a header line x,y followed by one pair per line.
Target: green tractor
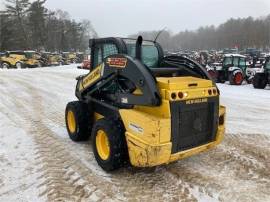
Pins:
x,y
262,78
233,69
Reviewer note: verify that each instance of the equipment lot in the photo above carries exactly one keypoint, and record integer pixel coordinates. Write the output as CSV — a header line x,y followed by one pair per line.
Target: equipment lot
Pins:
x,y
39,162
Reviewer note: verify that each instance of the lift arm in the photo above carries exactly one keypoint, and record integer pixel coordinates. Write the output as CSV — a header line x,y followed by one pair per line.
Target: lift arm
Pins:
x,y
121,66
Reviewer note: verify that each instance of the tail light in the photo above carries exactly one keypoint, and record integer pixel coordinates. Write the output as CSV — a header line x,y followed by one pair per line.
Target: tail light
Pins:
x,y
173,96
180,95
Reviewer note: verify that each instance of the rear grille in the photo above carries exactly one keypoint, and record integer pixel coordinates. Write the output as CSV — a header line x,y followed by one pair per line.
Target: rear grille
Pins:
x,y
193,124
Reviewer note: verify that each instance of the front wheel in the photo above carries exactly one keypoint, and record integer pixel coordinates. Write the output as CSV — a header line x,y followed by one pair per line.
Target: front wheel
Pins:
x,y
109,144
19,65
5,65
78,120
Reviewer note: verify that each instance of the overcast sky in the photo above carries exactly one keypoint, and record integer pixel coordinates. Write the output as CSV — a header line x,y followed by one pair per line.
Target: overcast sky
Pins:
x,y
124,17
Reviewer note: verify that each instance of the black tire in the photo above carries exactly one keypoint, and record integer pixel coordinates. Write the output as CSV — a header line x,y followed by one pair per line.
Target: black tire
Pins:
x,y
5,65
117,144
234,80
83,122
259,81
231,79
19,65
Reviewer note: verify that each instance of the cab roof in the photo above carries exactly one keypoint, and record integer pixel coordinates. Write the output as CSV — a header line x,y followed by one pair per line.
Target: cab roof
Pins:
x,y
234,55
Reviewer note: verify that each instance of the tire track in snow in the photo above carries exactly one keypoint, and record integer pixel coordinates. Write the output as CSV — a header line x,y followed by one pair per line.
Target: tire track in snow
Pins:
x,y
133,187
65,177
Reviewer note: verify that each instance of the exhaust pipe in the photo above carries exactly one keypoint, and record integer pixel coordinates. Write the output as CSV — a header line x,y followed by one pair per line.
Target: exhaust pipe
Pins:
x,y
139,48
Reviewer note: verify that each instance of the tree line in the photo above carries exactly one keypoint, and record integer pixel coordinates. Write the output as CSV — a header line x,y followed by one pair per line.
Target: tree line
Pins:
x,y
241,33
28,25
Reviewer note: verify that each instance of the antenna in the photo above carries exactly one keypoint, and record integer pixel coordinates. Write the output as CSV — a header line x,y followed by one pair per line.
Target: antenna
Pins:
x,y
159,33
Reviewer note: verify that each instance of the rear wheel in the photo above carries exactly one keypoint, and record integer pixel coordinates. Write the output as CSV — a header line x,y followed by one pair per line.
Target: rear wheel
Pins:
x,y
5,65
236,78
109,144
78,120
259,81
19,65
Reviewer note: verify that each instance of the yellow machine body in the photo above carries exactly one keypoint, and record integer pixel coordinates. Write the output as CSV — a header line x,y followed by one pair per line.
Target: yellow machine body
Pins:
x,y
14,58
34,60
148,129
54,59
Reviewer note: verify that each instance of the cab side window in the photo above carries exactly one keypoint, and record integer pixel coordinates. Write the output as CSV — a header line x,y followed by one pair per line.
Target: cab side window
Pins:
x,y
109,49
228,61
235,61
98,56
242,62
102,51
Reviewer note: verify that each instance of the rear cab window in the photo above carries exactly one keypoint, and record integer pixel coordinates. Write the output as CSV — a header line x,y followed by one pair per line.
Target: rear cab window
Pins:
x,y
150,54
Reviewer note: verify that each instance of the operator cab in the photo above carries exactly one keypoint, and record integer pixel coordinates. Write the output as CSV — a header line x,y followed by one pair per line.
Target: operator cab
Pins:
x,y
234,60
150,53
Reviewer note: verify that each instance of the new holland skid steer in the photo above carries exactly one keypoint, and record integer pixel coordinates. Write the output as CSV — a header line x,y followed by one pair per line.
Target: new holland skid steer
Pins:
x,y
141,107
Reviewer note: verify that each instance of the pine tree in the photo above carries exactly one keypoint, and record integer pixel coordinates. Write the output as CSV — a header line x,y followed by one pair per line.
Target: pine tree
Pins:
x,y
36,17
17,10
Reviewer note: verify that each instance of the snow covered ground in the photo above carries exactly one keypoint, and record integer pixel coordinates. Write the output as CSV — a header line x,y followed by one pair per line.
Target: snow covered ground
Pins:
x,y
38,162
248,109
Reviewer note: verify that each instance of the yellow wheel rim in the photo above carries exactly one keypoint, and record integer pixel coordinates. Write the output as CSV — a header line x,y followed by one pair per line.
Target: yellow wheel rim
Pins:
x,y
102,145
71,121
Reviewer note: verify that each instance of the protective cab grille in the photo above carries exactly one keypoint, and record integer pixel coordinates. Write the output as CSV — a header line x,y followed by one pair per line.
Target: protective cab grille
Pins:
x,y
193,124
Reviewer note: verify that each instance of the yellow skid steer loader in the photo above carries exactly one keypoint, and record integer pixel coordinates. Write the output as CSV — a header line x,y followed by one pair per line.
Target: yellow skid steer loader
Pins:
x,y
142,107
